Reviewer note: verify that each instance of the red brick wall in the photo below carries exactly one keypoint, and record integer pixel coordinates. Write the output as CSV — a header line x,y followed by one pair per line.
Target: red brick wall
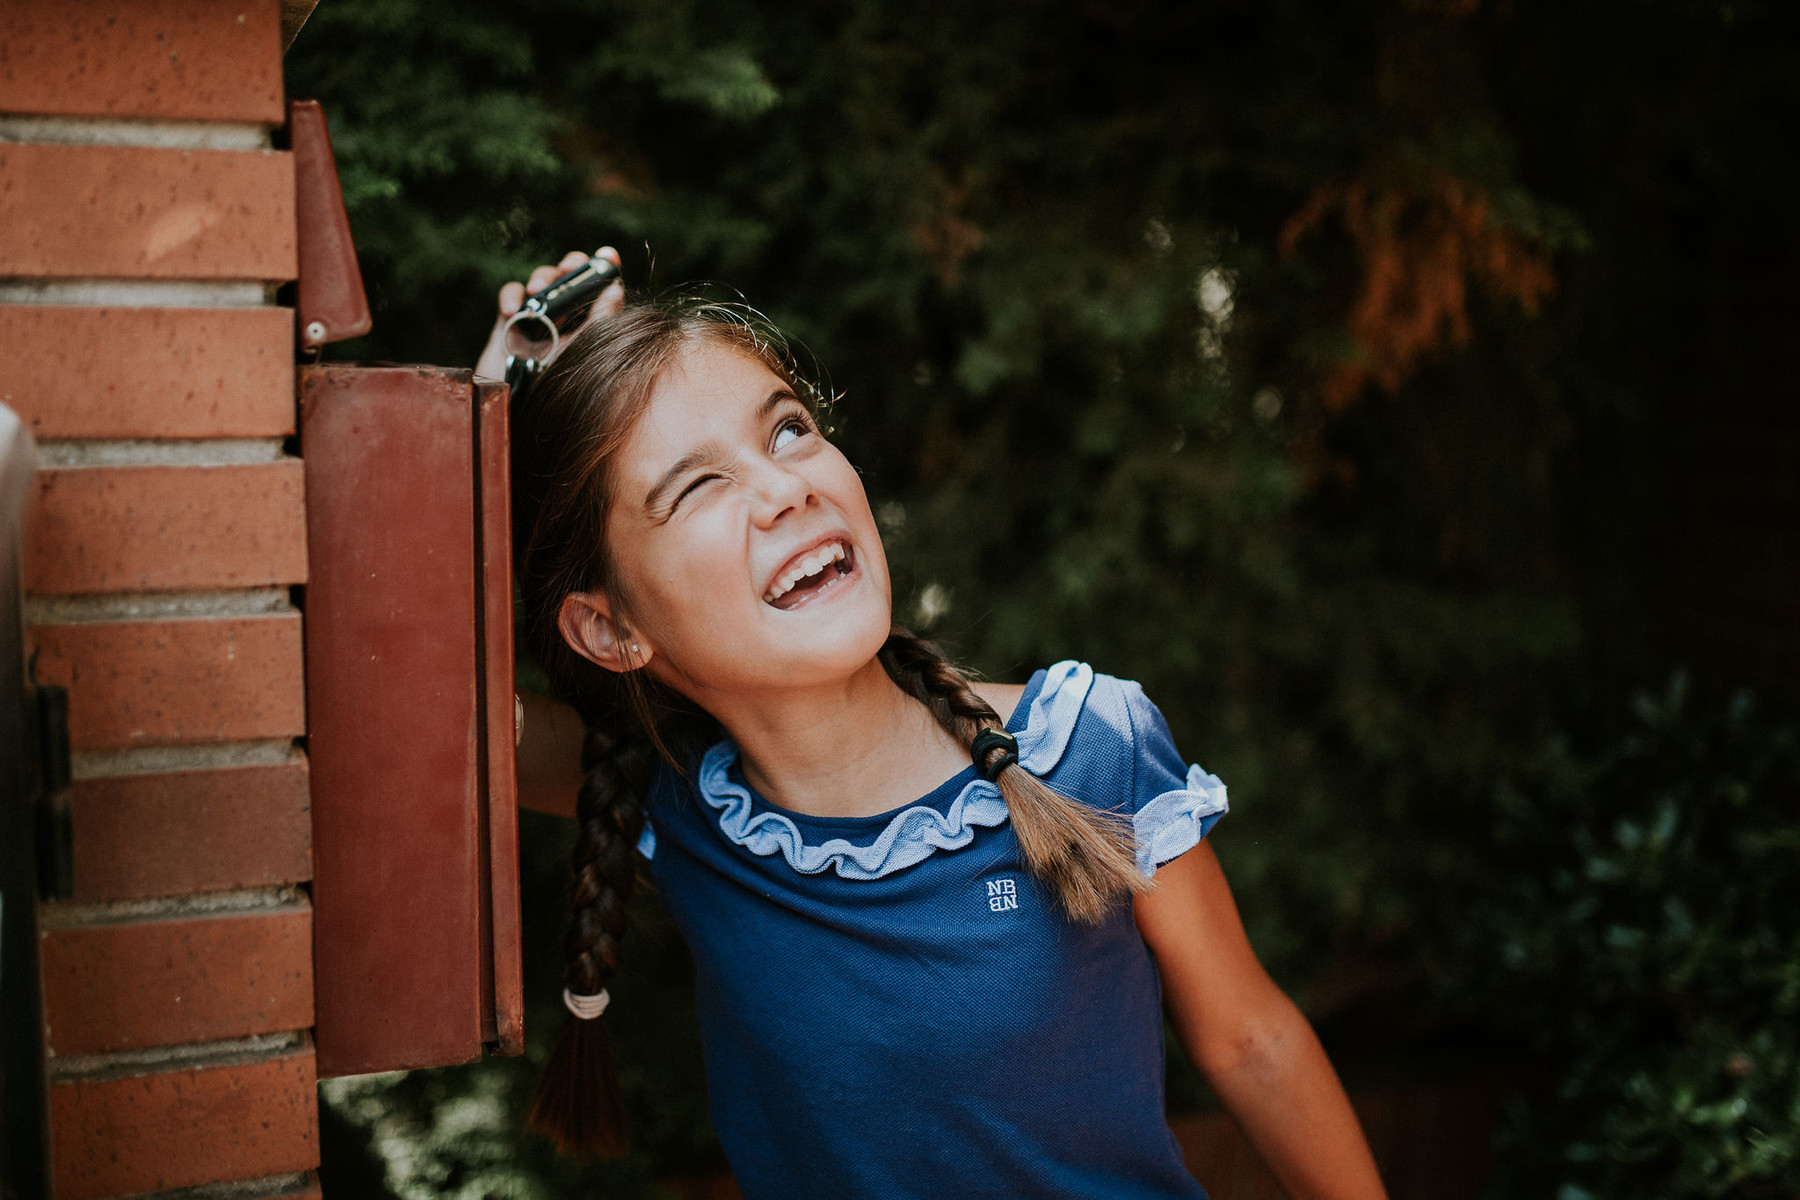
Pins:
x,y
144,225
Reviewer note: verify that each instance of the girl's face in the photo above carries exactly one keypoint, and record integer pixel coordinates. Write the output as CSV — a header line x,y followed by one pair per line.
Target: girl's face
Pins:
x,y
744,553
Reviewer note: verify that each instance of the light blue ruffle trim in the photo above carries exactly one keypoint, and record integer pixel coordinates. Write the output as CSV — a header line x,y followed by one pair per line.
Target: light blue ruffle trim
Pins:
x,y
1174,822
1166,827
910,836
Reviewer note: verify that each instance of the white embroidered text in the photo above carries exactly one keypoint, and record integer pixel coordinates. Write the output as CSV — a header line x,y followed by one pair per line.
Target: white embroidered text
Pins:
x,y
1002,894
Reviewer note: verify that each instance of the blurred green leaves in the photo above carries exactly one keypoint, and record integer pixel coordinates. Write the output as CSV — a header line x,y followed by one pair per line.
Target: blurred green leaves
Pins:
x,y
1636,926
1040,248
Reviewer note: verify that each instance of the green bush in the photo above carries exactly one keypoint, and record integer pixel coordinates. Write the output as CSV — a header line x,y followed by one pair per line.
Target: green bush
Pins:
x,y
1041,248
1641,930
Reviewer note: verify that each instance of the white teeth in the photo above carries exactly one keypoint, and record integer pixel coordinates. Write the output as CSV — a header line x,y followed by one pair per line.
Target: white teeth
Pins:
x,y
812,564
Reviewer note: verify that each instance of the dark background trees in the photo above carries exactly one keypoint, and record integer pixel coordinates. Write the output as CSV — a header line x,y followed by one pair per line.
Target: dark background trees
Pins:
x,y
1396,388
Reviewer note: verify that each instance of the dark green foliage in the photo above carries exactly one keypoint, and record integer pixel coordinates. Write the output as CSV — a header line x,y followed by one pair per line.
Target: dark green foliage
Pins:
x,y
1040,248
1637,927
1036,248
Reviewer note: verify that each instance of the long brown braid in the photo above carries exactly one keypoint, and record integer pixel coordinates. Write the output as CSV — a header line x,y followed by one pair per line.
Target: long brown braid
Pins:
x,y
1085,856
577,1103
609,820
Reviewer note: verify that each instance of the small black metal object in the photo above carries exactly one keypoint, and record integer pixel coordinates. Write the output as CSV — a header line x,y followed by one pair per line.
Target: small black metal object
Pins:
x,y
546,313
55,835
53,736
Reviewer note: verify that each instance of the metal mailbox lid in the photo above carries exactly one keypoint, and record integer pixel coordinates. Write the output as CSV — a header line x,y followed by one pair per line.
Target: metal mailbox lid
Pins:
x,y
330,302
410,834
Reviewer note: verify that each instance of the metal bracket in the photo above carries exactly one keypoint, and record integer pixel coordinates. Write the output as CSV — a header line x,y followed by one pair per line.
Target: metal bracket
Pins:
x,y
331,304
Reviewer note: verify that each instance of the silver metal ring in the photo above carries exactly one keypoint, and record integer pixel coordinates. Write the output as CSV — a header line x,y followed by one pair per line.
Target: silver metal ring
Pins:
x,y
533,350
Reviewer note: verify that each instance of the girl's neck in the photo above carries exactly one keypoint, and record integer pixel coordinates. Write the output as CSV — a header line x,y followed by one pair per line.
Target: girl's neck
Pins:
x,y
857,747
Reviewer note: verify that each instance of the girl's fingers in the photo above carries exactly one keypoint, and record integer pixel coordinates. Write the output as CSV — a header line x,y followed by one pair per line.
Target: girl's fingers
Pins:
x,y
513,294
492,363
610,301
544,276
613,298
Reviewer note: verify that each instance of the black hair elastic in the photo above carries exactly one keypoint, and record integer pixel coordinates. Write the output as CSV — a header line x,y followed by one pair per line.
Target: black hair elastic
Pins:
x,y
987,741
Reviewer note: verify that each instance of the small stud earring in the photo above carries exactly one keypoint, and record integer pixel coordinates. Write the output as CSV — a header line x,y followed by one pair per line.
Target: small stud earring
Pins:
x,y
634,648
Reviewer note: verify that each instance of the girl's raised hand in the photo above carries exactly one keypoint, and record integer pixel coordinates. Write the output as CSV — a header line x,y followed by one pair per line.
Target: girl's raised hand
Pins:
x,y
492,363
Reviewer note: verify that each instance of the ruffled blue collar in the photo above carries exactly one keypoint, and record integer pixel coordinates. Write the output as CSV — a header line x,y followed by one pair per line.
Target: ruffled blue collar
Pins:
x,y
912,833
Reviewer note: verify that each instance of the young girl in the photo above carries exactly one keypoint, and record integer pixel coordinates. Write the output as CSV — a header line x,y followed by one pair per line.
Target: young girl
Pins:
x,y
935,921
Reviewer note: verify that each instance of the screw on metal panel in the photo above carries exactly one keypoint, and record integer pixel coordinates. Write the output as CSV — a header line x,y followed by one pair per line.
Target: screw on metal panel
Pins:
x,y
315,331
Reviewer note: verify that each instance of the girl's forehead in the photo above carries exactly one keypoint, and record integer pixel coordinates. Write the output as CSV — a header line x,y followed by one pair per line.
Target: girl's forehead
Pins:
x,y
707,386
713,365
710,393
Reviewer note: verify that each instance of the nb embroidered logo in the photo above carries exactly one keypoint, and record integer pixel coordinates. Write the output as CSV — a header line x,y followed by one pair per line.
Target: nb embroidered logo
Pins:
x,y
1002,894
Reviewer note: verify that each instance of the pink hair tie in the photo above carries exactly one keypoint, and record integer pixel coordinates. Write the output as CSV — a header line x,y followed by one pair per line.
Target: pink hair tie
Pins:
x,y
586,1007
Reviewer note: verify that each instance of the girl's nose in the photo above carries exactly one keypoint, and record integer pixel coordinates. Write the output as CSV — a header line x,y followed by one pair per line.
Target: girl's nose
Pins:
x,y
780,490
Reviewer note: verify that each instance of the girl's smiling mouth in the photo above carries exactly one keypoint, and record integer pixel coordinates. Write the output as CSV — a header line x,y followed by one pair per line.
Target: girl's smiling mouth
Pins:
x,y
811,574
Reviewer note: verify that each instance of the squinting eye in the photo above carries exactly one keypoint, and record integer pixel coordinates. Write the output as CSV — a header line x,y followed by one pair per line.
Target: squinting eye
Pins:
x,y
689,490
791,430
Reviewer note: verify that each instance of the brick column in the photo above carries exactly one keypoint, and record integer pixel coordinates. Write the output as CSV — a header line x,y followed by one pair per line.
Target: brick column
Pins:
x,y
145,223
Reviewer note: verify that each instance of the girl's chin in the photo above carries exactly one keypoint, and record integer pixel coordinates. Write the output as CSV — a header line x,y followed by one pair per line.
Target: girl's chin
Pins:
x,y
847,636
787,668
854,639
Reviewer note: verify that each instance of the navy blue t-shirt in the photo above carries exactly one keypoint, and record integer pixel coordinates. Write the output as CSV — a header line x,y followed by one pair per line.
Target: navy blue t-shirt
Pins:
x,y
891,1006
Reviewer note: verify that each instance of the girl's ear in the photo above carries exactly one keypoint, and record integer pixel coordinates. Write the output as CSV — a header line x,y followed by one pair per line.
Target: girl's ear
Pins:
x,y
587,624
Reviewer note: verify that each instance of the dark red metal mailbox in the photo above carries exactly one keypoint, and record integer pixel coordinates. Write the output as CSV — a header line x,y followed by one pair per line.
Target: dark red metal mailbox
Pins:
x,y
410,718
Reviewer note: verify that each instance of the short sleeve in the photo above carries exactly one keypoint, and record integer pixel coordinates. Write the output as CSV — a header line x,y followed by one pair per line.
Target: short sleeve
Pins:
x,y
1174,803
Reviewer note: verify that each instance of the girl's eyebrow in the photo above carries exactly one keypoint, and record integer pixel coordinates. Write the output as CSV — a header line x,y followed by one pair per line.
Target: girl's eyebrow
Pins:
x,y
704,453
708,451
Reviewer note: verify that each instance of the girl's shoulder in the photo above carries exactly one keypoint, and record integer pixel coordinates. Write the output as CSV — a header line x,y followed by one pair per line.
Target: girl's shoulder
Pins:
x,y
1078,715
1078,726
1104,738
1003,698
1066,692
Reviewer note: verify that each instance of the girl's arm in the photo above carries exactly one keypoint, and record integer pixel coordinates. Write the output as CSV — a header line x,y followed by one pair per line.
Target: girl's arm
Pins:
x,y
1250,1041
550,740
549,755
